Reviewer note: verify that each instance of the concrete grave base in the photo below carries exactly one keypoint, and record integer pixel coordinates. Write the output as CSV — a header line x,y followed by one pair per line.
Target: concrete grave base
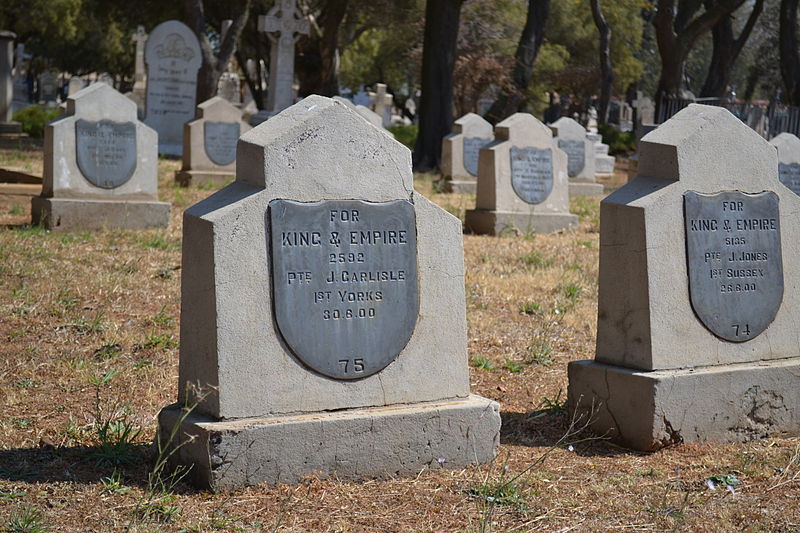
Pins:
x,y
461,186
580,188
59,214
203,177
11,129
350,444
486,222
649,410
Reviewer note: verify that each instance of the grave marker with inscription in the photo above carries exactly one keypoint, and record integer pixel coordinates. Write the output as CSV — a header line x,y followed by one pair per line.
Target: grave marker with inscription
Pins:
x,y
571,137
460,152
100,167
522,181
323,310
172,55
209,143
698,293
788,146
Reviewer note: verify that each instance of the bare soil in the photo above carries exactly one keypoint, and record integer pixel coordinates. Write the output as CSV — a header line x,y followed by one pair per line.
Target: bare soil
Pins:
x,y
88,340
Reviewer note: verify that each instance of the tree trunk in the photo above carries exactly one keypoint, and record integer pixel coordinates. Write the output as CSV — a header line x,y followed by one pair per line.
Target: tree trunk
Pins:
x,y
436,102
317,64
606,70
790,59
514,96
212,67
254,85
726,52
676,33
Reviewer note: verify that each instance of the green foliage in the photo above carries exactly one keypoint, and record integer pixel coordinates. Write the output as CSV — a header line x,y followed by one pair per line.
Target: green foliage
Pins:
x,y
29,520
16,209
499,493
482,363
405,134
34,118
619,142
512,366
555,407
531,308
536,259
113,484
115,440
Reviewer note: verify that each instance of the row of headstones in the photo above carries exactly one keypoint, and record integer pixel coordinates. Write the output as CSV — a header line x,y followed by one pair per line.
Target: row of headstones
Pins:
x,y
323,305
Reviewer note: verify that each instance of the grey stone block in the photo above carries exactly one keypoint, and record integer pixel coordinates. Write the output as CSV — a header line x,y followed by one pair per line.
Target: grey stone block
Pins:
x,y
216,178
487,222
61,214
579,188
649,410
353,444
461,186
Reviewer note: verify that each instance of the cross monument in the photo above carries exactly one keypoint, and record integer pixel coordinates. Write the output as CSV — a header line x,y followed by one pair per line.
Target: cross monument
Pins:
x,y
140,37
382,103
281,24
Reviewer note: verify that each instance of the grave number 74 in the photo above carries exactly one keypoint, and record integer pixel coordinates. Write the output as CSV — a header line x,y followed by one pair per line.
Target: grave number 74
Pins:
x,y
744,330
357,365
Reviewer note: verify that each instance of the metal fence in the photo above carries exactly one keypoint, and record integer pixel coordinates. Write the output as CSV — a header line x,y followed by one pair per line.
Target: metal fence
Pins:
x,y
768,120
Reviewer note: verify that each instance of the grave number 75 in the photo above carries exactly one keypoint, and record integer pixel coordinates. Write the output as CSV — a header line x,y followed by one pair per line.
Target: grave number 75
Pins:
x,y
745,330
357,365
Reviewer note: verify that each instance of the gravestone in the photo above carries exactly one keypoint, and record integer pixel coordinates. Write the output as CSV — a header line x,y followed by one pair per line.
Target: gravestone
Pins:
x,y
381,103
22,96
460,152
75,85
369,115
699,296
283,24
603,163
788,146
209,143
172,55
323,314
7,126
48,88
229,87
100,167
522,181
362,97
571,137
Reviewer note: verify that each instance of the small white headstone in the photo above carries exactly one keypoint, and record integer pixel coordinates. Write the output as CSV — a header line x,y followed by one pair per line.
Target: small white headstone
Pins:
x,y
75,85
460,152
571,137
382,104
788,146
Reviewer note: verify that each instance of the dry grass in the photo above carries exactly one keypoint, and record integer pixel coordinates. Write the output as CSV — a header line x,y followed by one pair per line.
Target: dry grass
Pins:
x,y
89,331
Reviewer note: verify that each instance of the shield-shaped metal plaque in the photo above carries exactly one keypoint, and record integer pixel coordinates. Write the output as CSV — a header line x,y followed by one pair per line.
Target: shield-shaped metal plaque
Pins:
x,y
789,174
219,140
576,155
344,278
106,151
733,253
472,148
532,173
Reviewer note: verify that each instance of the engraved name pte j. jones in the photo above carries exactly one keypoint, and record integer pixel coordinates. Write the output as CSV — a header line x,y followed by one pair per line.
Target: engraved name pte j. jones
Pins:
x,y
733,252
105,151
344,278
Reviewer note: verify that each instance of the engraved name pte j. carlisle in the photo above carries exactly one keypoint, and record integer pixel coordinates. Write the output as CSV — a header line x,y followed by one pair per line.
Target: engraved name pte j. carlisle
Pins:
x,y
733,248
344,278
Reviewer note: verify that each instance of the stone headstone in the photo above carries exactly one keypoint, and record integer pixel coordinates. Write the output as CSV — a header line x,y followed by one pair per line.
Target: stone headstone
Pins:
x,y
571,137
603,163
172,55
323,310
7,126
229,87
460,152
382,104
75,85
522,181
22,90
362,97
368,114
788,146
209,146
106,78
139,74
100,167
698,292
48,87
283,24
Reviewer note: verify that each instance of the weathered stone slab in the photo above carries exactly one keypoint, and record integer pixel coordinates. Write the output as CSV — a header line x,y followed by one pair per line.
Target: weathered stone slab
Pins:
x,y
788,147
460,151
698,298
571,137
172,55
515,191
99,151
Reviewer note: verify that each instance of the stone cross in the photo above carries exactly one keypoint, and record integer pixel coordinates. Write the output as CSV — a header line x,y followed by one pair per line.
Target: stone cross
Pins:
x,y
382,103
19,61
140,37
6,80
281,24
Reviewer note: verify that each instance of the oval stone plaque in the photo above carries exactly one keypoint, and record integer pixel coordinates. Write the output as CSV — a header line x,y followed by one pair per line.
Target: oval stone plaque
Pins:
x,y
789,174
472,148
344,278
576,155
733,253
532,173
105,151
219,141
